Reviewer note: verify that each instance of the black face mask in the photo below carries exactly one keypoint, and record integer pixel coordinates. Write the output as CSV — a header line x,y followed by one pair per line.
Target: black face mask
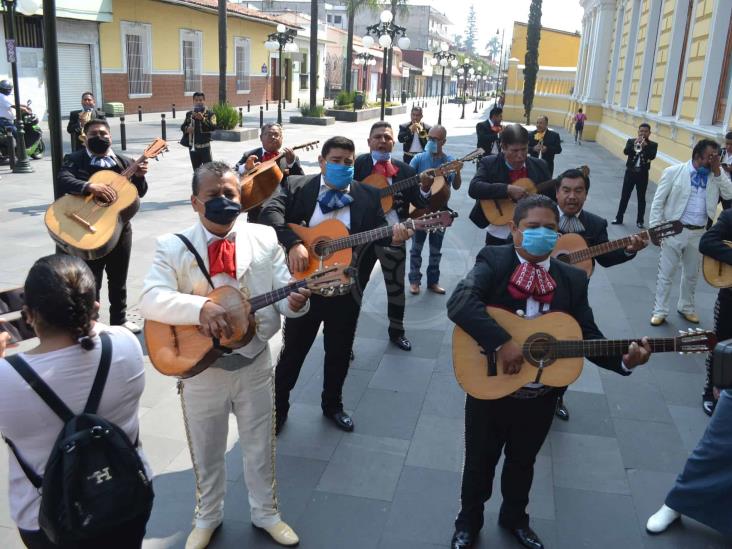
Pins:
x,y
221,210
98,145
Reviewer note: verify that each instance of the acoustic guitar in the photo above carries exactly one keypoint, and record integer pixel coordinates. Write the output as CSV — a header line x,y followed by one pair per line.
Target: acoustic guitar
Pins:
x,y
572,248
387,191
499,211
553,351
89,227
184,351
717,273
258,184
329,242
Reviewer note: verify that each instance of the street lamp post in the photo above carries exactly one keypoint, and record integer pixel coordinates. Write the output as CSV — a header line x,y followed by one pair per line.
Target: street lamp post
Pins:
x,y
465,70
385,31
364,59
22,165
443,58
283,39
478,78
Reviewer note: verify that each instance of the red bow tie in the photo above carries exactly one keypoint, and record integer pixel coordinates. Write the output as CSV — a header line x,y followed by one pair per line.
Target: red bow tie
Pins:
x,y
268,155
385,168
514,175
222,257
531,280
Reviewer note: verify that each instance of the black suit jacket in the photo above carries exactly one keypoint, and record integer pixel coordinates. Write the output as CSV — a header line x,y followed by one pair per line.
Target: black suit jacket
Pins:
x,y
491,181
712,244
486,284
486,136
596,233
365,165
406,136
295,203
553,144
77,169
647,154
74,126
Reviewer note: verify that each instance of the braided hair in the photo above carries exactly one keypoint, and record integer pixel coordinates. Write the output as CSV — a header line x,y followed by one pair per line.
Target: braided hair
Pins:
x,y
61,290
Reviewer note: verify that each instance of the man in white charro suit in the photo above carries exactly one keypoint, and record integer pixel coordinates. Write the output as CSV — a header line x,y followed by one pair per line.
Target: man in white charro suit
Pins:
x,y
688,192
246,256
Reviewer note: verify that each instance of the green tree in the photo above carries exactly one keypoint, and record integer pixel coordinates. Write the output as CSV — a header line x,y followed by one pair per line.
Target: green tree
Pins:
x,y
352,6
531,61
471,30
494,47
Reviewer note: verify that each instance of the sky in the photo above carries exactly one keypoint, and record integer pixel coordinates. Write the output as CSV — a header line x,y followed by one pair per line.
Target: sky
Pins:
x,y
492,14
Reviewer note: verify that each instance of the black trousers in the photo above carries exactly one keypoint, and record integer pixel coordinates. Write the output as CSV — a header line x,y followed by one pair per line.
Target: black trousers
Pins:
x,y
339,316
116,264
200,156
723,329
126,536
639,180
393,265
518,427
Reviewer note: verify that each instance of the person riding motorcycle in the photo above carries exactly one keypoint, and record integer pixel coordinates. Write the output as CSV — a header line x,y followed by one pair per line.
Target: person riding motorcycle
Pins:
x,y
7,108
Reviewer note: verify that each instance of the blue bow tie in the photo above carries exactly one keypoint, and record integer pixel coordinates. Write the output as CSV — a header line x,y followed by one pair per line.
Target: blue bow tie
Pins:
x,y
699,180
332,200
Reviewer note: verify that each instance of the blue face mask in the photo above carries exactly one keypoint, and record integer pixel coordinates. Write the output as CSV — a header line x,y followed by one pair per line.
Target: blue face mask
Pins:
x,y
380,156
539,241
703,170
431,147
338,176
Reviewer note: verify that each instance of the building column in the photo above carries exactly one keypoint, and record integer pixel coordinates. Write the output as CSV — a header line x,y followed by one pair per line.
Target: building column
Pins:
x,y
580,60
602,39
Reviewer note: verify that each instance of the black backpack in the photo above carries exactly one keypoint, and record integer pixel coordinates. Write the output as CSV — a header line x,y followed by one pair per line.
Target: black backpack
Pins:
x,y
94,479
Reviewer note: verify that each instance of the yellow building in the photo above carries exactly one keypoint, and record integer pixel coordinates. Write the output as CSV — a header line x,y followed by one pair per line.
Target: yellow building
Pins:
x,y
558,54
664,62
158,52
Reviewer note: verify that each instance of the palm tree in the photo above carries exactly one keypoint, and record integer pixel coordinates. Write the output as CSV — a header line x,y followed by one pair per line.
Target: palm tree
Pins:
x,y
352,6
493,47
531,62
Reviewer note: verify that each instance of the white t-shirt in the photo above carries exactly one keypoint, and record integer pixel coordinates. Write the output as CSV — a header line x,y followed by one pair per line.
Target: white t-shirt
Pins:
x,y
33,426
7,109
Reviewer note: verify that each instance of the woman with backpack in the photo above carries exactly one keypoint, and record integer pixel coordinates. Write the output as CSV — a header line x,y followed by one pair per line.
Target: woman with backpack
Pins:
x,y
93,377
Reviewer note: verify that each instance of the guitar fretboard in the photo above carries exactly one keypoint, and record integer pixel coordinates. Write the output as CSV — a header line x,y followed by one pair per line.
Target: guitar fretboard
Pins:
x,y
605,347
263,300
357,239
599,249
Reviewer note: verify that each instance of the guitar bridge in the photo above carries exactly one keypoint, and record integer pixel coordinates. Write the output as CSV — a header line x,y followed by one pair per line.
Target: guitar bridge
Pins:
x,y
539,371
83,222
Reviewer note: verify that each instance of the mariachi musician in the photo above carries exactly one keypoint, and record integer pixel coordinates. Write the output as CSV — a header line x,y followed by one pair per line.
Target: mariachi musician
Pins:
x,y
197,128
413,134
545,143
272,137
77,119
489,131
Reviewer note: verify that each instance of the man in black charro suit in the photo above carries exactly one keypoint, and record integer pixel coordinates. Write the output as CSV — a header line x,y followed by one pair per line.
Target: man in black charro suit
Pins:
x,y
75,127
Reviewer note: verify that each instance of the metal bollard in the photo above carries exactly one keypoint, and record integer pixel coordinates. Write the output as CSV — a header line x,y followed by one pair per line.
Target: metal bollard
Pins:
x,y
11,147
122,133
249,105
261,117
241,117
266,104
163,133
173,110
298,102
139,113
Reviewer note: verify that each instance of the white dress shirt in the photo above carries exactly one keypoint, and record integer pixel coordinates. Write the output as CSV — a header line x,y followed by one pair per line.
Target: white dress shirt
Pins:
x,y
695,212
6,107
416,146
342,214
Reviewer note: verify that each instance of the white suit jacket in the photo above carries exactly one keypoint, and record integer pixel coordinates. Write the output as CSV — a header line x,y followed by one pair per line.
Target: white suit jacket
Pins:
x,y
175,288
674,189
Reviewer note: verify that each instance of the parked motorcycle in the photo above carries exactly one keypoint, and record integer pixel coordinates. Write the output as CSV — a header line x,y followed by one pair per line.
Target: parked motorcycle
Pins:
x,y
34,145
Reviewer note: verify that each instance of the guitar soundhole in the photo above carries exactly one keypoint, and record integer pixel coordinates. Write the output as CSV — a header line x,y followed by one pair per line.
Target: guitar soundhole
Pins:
x,y
540,347
321,248
564,258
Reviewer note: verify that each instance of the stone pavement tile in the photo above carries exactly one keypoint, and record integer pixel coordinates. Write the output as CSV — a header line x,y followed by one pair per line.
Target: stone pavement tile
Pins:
x,y
438,443
683,364
444,397
424,507
157,385
595,519
680,389
365,466
172,512
165,419
387,413
403,372
587,462
356,384
372,324
631,398
691,422
425,339
308,434
649,490
333,521
388,542
650,446
9,538
541,497
589,415
368,351
161,451
589,380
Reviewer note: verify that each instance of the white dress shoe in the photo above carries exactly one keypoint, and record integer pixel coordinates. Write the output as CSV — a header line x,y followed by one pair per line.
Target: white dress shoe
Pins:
x,y
199,538
661,519
281,533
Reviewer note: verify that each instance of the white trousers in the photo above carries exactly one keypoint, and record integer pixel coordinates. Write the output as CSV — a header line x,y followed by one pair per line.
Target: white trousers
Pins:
x,y
207,399
683,249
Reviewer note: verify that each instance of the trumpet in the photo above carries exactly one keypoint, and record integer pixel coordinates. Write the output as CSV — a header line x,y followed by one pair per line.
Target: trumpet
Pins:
x,y
638,145
84,117
419,129
540,144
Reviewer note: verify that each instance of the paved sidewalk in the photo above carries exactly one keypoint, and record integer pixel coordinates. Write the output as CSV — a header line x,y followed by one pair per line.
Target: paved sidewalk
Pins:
x,y
394,482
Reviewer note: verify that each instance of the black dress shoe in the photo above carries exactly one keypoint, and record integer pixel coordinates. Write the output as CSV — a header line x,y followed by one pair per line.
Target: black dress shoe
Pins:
x,y
527,537
402,342
561,410
342,420
617,221
462,539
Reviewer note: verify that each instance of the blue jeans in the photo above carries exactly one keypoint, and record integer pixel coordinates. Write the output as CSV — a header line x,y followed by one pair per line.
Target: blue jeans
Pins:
x,y
6,123
415,257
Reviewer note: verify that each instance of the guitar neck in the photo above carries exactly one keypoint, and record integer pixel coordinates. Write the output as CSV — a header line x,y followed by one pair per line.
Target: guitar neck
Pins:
x,y
599,249
264,300
609,347
400,185
132,168
362,238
